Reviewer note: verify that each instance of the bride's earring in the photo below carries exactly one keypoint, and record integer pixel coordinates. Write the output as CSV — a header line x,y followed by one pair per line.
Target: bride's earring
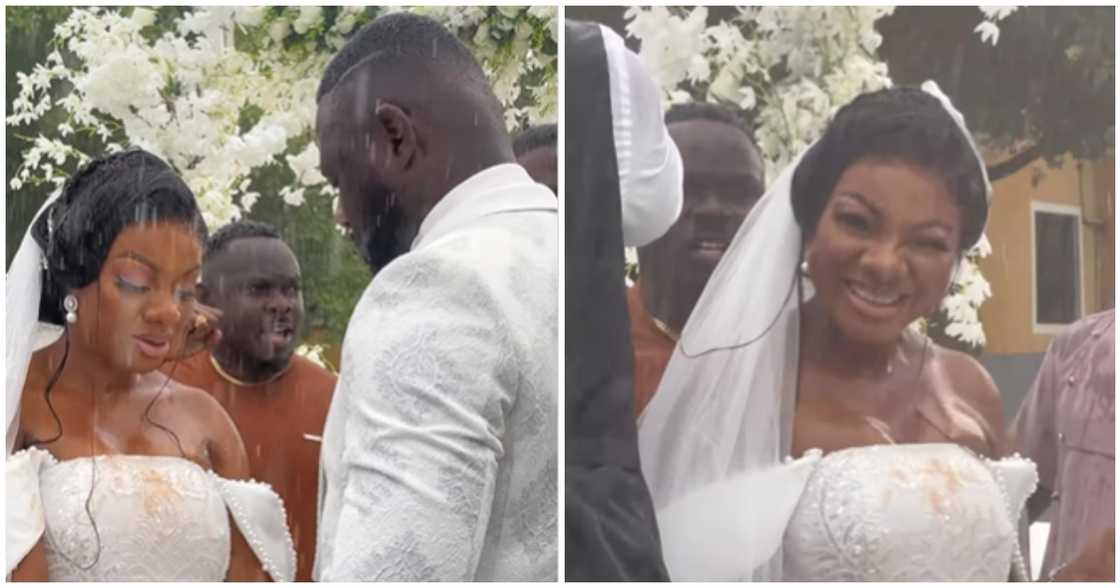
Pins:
x,y
70,303
805,267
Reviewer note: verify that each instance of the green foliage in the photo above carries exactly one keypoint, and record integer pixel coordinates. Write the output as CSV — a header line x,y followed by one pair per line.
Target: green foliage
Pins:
x,y
28,31
1048,84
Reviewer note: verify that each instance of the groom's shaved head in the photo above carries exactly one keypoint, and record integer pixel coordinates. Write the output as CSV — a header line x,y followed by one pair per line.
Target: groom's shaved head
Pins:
x,y
413,61
408,44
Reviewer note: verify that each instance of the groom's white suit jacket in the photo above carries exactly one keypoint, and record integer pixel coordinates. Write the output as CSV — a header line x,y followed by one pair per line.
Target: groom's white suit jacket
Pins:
x,y
439,455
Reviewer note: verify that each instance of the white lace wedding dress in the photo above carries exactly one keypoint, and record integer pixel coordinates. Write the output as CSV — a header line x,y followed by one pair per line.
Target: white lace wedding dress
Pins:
x,y
922,512
158,518
908,513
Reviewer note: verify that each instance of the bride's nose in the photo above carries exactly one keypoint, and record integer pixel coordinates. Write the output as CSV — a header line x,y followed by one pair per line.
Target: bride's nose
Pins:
x,y
882,261
163,308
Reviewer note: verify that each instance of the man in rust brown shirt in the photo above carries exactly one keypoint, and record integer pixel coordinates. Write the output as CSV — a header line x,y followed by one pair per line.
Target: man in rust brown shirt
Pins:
x,y
724,176
278,400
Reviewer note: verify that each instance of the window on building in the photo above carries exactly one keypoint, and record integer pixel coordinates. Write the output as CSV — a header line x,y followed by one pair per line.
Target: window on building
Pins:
x,y
1057,265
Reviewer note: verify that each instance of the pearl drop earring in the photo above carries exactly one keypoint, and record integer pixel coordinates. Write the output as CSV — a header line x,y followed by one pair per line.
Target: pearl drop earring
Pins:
x,y
70,303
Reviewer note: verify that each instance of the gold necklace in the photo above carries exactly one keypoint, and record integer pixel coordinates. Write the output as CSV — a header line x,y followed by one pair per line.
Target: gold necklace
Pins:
x,y
225,376
665,329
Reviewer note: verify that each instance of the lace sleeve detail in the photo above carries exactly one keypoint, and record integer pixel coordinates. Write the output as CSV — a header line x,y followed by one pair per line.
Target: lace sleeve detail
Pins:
x,y
260,515
25,519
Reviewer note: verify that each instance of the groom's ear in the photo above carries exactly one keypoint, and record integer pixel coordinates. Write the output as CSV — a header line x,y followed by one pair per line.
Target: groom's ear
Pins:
x,y
399,133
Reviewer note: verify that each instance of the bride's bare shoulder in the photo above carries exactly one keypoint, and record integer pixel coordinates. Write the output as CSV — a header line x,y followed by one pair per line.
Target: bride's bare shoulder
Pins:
x,y
971,383
227,450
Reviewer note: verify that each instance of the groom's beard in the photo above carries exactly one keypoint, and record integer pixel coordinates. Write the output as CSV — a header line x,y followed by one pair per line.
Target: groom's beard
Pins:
x,y
386,234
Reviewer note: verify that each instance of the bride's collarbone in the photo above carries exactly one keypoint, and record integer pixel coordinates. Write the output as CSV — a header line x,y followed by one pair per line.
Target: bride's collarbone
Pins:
x,y
108,444
832,427
72,426
835,412
888,397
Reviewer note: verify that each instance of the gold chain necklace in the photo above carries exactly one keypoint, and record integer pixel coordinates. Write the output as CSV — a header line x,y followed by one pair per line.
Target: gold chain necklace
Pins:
x,y
666,330
225,376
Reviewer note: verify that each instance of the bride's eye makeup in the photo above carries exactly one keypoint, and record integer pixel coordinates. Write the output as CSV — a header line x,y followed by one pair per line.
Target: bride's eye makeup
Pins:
x,y
131,285
932,244
854,221
133,275
850,212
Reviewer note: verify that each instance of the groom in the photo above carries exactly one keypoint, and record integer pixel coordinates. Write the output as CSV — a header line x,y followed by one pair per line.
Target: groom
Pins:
x,y
439,457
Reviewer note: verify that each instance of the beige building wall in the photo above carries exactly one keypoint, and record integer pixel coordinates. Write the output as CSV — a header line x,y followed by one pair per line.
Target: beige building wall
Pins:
x,y
1088,186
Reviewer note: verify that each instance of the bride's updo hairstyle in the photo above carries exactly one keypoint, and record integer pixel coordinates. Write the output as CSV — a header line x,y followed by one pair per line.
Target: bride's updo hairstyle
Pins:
x,y
901,123
101,199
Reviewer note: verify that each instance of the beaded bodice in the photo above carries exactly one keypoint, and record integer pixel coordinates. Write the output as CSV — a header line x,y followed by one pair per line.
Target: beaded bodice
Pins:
x,y
153,518
909,512
157,518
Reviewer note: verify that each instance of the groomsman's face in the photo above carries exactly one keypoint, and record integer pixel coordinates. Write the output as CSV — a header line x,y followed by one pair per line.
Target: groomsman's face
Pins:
x,y
255,282
723,179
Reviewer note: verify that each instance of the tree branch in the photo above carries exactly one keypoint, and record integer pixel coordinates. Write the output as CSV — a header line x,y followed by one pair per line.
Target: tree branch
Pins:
x,y
1013,164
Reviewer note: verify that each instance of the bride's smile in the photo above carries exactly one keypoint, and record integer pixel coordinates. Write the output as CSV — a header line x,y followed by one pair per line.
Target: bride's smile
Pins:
x,y
883,251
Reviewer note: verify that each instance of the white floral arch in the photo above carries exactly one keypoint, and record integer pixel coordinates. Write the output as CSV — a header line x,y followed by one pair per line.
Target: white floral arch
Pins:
x,y
185,94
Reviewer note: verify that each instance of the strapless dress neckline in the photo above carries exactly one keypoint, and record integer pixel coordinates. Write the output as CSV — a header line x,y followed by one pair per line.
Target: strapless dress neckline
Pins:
x,y
934,511
154,518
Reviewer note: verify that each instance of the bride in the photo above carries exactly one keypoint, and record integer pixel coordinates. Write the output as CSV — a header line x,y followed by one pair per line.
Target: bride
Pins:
x,y
802,430
118,472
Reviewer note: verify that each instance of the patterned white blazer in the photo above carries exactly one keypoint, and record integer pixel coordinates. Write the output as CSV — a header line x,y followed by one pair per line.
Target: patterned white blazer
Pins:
x,y
439,457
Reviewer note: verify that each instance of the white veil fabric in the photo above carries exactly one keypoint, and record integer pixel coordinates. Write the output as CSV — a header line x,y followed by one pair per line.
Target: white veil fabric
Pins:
x,y
715,438
23,331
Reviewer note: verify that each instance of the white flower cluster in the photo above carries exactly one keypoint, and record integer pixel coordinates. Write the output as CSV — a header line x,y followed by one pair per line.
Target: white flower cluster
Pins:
x,y
509,41
184,95
969,290
315,354
792,68
825,56
988,29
